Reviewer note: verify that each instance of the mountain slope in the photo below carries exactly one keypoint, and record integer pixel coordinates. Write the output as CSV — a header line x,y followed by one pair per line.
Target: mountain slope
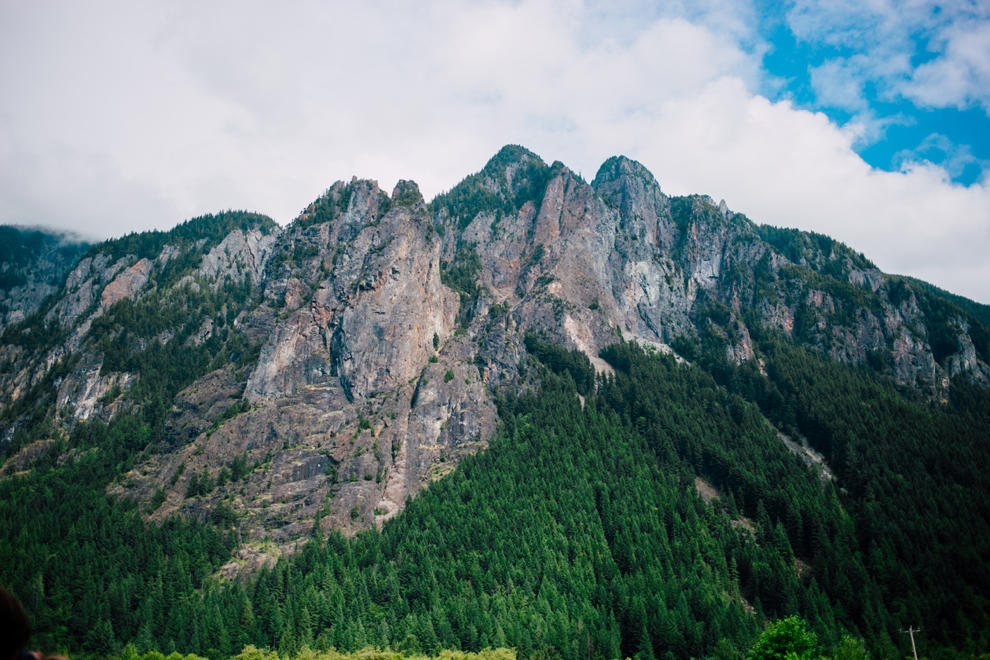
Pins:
x,y
33,263
260,380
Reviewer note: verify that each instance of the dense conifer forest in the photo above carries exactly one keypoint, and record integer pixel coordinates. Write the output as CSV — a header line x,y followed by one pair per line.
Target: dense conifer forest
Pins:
x,y
579,533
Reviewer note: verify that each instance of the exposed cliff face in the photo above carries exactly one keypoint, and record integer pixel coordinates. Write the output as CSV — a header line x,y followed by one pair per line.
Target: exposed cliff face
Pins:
x,y
126,285
370,323
241,255
585,261
339,366
111,299
361,394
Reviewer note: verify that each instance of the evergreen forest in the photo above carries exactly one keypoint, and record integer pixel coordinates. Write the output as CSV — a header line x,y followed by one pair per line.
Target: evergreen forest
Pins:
x,y
581,532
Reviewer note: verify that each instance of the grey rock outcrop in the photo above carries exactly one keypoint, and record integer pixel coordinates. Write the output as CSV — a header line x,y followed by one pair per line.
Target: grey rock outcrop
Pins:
x,y
241,254
370,324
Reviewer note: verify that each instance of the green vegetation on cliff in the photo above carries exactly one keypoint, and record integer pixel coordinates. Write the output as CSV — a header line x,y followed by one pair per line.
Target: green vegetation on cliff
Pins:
x,y
210,229
491,190
21,246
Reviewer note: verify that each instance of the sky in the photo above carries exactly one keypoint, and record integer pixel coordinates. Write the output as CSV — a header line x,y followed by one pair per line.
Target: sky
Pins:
x,y
866,120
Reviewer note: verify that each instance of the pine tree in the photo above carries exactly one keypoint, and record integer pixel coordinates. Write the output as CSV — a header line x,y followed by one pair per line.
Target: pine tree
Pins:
x,y
145,640
246,630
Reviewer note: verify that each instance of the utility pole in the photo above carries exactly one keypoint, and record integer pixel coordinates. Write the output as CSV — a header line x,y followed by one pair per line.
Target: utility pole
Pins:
x,y
911,631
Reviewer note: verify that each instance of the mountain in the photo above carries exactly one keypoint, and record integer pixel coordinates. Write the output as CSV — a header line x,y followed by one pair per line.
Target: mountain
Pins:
x,y
33,263
809,429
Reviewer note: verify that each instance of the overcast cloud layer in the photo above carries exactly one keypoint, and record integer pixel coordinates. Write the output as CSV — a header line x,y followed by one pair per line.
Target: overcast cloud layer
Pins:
x,y
131,116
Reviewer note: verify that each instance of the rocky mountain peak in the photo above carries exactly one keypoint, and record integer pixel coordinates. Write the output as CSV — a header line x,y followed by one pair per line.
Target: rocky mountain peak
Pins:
x,y
630,187
619,168
406,193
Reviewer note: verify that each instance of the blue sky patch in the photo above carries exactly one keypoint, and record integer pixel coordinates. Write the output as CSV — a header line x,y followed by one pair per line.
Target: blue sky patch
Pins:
x,y
883,68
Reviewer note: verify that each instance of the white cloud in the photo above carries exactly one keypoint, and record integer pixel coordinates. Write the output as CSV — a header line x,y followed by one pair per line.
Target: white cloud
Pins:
x,y
936,148
961,75
951,38
247,105
838,83
866,128
120,116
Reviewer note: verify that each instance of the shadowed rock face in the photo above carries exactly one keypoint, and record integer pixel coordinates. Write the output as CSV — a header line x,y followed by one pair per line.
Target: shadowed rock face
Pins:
x,y
33,263
387,326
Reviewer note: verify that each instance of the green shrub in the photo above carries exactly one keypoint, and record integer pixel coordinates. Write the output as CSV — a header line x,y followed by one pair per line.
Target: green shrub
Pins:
x,y
785,640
